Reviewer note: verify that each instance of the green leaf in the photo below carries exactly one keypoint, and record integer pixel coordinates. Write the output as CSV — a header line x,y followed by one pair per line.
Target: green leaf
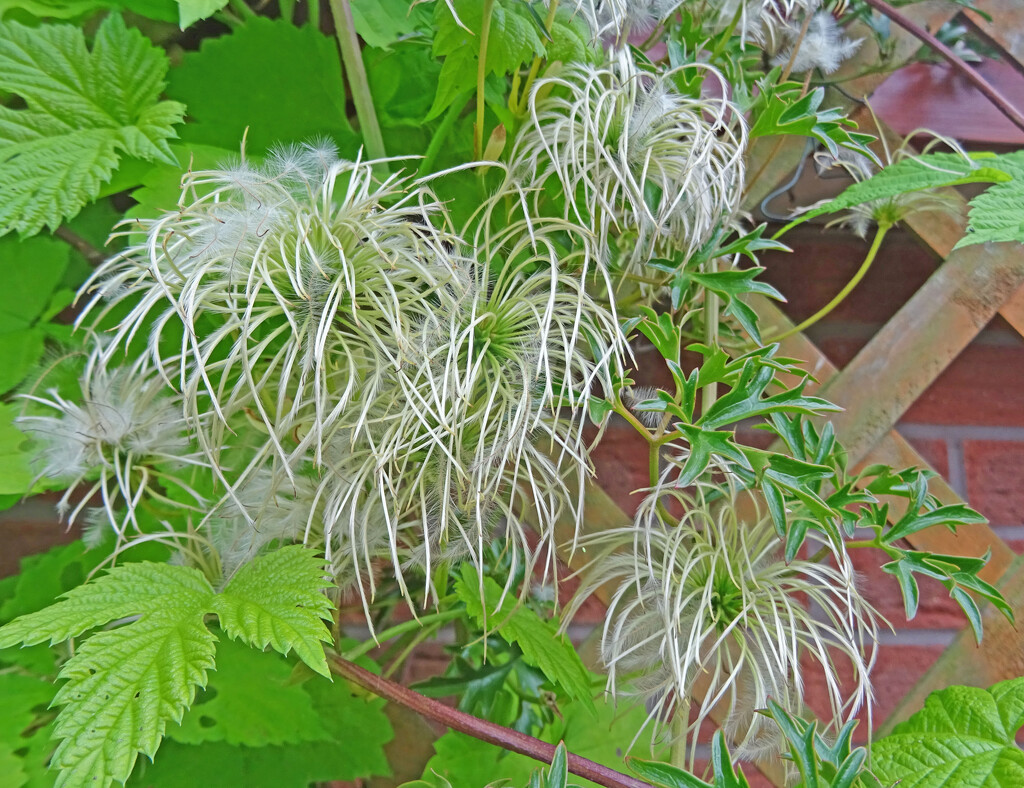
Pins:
x,y
123,685
357,732
83,110
557,774
278,600
513,39
964,737
129,590
24,698
402,81
466,762
745,400
539,641
996,214
250,700
786,109
280,81
959,574
15,474
191,11
160,10
932,171
380,23
914,521
664,775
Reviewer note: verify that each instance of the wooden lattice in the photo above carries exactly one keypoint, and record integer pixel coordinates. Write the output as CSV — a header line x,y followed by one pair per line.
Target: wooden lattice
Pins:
x,y
905,358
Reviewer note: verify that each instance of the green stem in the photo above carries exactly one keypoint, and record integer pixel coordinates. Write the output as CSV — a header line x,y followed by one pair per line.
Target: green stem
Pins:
x,y
441,134
727,33
796,47
400,629
711,319
841,295
524,95
352,58
481,76
314,14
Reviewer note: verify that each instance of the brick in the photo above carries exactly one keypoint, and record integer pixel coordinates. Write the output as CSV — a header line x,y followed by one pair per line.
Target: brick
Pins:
x,y
994,479
621,462
934,451
935,608
821,265
983,386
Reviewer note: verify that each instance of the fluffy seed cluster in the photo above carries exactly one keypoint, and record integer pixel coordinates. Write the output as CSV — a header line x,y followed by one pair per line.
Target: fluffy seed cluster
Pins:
x,y
357,375
632,159
616,20
823,46
707,607
125,439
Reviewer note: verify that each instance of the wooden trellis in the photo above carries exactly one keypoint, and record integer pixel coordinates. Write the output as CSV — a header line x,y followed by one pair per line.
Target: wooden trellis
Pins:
x,y
905,358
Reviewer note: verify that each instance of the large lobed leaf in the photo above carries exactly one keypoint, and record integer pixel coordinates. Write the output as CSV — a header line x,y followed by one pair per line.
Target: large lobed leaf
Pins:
x,y
269,80
124,685
964,737
998,213
83,110
277,600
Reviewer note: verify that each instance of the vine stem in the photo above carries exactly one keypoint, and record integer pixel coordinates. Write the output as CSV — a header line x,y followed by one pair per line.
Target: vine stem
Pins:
x,y
481,77
953,59
883,228
92,255
400,629
490,732
788,69
352,57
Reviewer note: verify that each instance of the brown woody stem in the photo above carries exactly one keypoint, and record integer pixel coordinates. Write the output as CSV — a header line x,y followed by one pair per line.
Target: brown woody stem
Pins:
x,y
490,732
92,255
953,59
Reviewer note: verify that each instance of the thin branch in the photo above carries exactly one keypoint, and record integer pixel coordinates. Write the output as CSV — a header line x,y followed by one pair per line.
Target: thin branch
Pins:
x,y
355,72
92,255
953,59
479,729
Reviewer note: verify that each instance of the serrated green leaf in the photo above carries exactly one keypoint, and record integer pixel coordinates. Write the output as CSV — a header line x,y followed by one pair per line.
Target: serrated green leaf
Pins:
x,y
278,600
280,81
539,641
513,39
83,110
123,685
964,737
996,214
129,590
160,10
932,171
250,701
